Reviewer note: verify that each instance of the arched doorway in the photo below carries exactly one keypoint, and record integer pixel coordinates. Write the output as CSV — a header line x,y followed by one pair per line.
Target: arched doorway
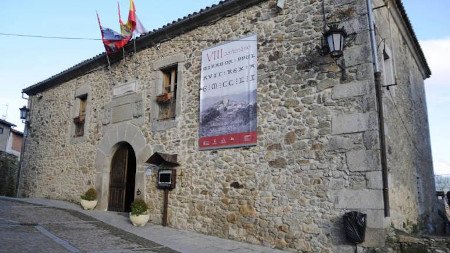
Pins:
x,y
122,178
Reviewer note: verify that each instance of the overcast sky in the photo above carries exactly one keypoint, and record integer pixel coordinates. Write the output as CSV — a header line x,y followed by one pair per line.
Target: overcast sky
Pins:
x,y
26,61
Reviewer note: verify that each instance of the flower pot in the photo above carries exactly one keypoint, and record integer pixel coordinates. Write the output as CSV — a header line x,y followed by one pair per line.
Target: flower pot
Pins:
x,y
88,204
139,220
79,119
164,98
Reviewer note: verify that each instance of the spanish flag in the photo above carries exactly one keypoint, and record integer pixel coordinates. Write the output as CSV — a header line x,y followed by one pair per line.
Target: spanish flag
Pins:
x,y
133,25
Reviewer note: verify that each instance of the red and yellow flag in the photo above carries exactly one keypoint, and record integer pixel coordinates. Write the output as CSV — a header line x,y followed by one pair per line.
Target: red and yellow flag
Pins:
x,y
128,28
133,25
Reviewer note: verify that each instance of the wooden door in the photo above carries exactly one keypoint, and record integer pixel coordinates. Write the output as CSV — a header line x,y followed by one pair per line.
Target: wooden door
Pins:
x,y
122,179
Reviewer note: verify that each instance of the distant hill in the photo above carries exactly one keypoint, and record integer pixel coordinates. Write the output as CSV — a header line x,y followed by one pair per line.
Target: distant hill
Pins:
x,y
228,116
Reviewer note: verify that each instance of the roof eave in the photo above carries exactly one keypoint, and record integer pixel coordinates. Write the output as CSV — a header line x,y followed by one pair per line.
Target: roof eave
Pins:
x,y
415,41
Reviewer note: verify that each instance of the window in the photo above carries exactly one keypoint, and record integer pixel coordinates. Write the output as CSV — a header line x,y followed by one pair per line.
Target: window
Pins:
x,y
81,118
1,130
167,91
167,100
389,71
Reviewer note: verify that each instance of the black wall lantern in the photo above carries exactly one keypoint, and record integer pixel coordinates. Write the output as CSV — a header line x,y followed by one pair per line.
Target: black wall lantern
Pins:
x,y
24,113
335,38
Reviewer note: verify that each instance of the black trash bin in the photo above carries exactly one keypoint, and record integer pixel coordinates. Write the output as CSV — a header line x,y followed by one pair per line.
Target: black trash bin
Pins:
x,y
355,226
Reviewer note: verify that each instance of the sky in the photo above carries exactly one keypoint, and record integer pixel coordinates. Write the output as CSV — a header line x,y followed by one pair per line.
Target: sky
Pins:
x,y
431,22
27,61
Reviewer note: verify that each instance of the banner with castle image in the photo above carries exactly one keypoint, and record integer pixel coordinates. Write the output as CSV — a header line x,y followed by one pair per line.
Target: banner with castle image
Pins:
x,y
228,85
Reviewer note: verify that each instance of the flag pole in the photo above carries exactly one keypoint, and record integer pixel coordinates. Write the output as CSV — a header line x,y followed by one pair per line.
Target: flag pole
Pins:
x,y
109,63
101,31
134,56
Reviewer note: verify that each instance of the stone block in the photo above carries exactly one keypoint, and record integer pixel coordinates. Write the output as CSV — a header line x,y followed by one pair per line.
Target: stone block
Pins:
x,y
370,139
164,125
144,154
121,131
138,142
374,238
83,90
350,123
356,25
327,83
166,61
359,199
345,249
127,99
104,145
375,218
357,55
340,144
140,182
362,160
122,113
352,89
112,136
130,132
374,180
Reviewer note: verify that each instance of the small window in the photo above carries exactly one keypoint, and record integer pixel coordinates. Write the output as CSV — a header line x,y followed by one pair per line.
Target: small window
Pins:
x,y
1,130
388,64
168,98
81,118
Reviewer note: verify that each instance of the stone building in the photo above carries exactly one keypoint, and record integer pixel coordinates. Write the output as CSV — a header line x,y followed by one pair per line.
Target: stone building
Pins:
x,y
5,133
15,141
10,139
323,145
10,149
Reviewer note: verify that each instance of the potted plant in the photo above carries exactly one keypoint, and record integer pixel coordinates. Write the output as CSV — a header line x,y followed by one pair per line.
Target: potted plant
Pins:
x,y
89,199
164,98
139,213
79,119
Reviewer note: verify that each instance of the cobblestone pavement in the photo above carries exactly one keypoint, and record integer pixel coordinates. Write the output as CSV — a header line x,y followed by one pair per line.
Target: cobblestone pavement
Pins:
x,y
28,227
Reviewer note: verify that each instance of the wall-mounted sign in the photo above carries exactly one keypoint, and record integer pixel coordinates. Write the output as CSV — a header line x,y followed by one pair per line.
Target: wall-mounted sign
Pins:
x,y
125,88
228,85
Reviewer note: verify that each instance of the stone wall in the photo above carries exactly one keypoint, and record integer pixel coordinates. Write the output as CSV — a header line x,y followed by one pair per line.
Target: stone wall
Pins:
x,y
317,154
411,180
9,167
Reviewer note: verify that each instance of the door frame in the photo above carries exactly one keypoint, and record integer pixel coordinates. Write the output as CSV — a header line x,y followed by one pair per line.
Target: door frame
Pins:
x,y
128,178
113,135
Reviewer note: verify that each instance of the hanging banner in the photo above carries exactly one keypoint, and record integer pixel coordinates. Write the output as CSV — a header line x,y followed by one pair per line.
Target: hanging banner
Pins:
x,y
228,85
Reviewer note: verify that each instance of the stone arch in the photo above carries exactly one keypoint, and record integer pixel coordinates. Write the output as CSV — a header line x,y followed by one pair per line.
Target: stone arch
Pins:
x,y
115,134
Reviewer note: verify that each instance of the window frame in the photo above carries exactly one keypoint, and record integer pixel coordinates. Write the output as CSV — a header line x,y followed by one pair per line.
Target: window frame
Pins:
x,y
160,67
80,113
80,120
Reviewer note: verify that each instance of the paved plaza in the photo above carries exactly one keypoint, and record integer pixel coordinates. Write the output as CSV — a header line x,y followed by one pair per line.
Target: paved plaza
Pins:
x,y
42,225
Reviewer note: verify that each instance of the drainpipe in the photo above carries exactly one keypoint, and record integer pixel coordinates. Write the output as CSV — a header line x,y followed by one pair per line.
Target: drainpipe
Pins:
x,y
379,96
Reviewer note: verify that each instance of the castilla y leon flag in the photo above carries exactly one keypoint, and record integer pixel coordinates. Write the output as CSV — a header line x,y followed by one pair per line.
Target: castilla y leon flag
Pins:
x,y
133,24
112,40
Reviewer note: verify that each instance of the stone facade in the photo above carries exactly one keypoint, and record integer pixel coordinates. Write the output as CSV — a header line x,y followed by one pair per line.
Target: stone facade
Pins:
x,y
318,153
9,166
411,179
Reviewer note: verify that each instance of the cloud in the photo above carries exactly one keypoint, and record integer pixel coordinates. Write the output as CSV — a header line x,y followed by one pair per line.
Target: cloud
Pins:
x,y
437,53
442,168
